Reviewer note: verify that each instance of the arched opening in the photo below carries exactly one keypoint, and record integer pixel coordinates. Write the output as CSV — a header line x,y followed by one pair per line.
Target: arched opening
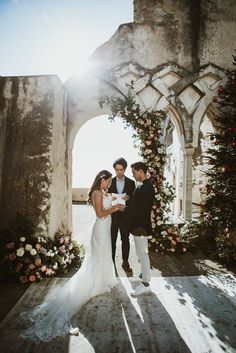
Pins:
x,y
173,171
98,143
200,163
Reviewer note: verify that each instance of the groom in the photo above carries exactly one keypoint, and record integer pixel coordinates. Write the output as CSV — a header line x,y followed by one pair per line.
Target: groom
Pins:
x,y
138,215
121,184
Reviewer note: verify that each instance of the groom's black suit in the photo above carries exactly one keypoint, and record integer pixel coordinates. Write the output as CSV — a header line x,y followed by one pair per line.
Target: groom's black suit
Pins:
x,y
119,220
138,213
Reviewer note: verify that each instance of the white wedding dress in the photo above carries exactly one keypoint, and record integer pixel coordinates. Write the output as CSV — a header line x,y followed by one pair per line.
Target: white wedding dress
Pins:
x,y
96,276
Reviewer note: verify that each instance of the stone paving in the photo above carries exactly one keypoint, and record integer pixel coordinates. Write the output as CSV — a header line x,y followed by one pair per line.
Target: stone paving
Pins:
x,y
184,313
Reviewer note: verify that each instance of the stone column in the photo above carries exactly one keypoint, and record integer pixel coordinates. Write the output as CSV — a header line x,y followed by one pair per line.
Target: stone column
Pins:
x,y
69,182
187,183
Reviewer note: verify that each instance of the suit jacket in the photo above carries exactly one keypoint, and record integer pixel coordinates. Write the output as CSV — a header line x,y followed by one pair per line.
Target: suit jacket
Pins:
x,y
119,217
138,212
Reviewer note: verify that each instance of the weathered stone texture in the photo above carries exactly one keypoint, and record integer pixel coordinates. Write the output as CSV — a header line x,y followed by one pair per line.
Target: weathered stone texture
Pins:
x,y
189,33
33,145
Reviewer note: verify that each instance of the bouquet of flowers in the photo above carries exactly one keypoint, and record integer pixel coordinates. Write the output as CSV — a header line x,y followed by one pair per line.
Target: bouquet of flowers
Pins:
x,y
32,258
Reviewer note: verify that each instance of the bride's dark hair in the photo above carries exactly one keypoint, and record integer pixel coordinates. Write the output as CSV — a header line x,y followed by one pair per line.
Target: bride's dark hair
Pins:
x,y
104,174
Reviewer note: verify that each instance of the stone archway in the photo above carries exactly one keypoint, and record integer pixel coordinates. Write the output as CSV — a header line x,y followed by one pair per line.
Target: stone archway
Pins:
x,y
168,87
174,56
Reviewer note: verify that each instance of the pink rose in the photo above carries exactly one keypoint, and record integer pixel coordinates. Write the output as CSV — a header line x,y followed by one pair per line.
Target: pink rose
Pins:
x,y
31,266
43,268
61,240
32,278
19,266
10,245
37,262
23,279
38,246
12,256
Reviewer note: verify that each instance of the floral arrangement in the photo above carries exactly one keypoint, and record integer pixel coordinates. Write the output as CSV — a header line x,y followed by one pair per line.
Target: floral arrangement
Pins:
x,y
32,258
148,126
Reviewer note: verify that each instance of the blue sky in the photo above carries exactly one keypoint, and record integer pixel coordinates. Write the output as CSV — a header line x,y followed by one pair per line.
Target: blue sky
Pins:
x,y
56,36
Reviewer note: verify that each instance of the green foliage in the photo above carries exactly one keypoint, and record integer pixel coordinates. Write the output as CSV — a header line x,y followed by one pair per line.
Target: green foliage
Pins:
x,y
220,205
148,127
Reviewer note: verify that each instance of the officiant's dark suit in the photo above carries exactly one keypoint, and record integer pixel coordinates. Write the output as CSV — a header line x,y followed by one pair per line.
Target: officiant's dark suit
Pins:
x,y
121,185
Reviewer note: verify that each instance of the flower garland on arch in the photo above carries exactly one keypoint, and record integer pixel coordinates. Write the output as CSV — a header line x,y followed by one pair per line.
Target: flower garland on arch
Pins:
x,y
148,124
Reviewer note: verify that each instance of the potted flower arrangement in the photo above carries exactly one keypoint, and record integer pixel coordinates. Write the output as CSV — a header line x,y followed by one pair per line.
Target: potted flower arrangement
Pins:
x,y
32,258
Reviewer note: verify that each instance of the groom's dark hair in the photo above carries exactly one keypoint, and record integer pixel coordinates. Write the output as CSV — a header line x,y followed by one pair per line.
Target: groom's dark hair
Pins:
x,y
120,161
140,165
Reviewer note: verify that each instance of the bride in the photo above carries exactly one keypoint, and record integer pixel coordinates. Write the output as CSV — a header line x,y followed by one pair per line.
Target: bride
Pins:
x,y
96,275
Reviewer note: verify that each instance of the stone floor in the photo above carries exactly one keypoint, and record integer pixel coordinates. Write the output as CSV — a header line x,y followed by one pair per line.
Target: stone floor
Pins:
x,y
192,308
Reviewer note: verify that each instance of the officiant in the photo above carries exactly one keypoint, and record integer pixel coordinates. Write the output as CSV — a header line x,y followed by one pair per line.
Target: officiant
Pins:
x,y
120,185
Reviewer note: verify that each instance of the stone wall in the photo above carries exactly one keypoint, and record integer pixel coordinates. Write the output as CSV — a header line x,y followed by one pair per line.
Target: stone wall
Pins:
x,y
33,152
188,33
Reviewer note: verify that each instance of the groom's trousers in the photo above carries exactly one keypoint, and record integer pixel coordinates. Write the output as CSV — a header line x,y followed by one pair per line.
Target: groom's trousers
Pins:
x,y
141,247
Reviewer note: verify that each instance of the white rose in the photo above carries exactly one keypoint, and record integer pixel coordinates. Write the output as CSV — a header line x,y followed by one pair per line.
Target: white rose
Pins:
x,y
159,223
55,266
28,247
22,239
33,252
20,252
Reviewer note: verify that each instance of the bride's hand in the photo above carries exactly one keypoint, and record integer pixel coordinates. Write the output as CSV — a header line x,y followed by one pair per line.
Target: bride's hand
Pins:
x,y
115,208
121,207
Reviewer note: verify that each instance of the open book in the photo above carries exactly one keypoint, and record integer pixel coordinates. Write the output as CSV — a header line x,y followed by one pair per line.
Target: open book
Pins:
x,y
118,199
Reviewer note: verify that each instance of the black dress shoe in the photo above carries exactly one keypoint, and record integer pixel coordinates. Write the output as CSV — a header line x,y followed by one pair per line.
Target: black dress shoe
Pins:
x,y
126,266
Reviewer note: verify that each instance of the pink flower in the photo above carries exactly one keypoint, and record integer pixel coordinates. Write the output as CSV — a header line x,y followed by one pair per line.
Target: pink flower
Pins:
x,y
32,278
177,239
184,249
19,266
12,256
43,268
38,246
10,245
49,271
67,239
23,279
31,266
62,249
37,262
61,240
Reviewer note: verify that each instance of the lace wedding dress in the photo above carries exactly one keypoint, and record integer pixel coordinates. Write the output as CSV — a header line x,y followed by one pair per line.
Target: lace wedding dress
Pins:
x,y
96,276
